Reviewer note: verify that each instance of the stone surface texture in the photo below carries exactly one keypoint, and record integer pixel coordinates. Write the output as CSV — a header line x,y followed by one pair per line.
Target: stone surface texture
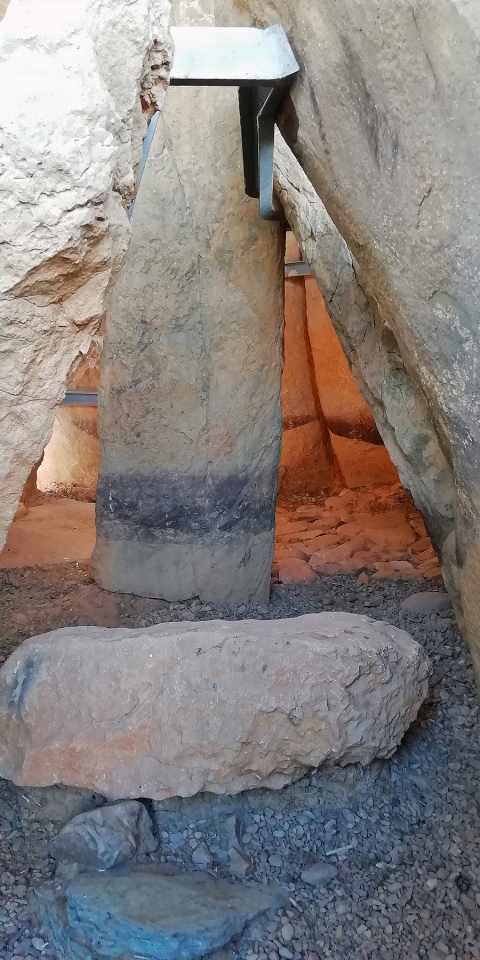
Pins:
x,y
106,837
375,121
150,913
222,707
374,533
189,406
71,80
387,92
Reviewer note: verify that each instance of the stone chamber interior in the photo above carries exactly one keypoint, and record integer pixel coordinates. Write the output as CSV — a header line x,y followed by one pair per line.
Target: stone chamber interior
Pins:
x,y
340,509
319,752
379,862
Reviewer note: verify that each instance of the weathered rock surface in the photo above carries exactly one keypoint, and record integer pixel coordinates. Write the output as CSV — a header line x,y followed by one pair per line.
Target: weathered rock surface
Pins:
x,y
71,76
377,532
220,706
189,407
376,120
150,914
106,837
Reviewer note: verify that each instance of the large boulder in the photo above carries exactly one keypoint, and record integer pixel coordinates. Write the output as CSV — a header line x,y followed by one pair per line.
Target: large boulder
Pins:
x,y
384,121
221,706
72,79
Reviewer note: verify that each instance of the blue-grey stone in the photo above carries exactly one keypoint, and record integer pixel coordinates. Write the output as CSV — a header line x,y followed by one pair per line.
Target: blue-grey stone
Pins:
x,y
122,914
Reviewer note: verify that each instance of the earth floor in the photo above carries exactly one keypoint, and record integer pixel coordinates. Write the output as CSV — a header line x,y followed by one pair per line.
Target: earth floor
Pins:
x,y
406,831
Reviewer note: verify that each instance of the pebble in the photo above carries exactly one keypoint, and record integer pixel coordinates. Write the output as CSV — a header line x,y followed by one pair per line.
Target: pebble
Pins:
x,y
288,932
319,873
202,857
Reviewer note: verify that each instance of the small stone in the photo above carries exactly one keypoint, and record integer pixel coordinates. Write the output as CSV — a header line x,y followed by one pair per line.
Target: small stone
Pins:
x,y
240,865
293,570
232,829
202,856
288,932
38,944
275,861
106,837
430,601
319,874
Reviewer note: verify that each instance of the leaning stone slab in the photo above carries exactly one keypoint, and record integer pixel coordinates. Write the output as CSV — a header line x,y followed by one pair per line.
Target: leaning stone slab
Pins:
x,y
145,913
220,706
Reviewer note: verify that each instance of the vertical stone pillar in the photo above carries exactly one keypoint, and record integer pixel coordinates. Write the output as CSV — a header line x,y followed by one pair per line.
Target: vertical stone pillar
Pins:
x,y
308,464
189,407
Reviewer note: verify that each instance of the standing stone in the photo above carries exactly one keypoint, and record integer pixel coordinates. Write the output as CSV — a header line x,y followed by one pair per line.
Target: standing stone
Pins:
x,y
308,465
190,420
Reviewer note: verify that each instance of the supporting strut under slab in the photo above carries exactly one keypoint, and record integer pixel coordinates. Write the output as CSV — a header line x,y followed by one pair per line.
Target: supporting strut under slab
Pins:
x,y
262,65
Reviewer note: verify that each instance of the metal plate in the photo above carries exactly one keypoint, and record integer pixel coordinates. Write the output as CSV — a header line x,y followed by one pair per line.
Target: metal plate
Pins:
x,y
231,56
77,398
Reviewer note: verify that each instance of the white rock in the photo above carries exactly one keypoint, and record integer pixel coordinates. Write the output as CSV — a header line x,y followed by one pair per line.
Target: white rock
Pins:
x,y
71,126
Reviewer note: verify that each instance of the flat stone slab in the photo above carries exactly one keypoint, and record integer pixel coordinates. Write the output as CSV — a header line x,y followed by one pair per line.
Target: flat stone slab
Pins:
x,y
219,706
144,912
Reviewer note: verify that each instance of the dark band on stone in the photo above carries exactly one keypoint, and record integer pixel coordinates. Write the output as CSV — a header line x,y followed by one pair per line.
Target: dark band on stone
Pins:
x,y
165,506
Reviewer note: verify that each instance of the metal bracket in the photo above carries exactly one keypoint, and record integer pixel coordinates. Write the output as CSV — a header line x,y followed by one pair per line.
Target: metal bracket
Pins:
x,y
261,64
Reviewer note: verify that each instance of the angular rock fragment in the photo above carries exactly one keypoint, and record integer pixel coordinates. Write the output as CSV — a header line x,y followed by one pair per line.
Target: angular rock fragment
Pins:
x,y
319,874
106,837
428,602
180,708
149,914
239,864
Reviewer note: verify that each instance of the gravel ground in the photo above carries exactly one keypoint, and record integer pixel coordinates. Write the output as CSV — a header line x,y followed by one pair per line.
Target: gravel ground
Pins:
x,y
401,840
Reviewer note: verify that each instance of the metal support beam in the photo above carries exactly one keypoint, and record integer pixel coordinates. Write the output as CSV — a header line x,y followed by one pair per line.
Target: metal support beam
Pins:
x,y
262,65
78,398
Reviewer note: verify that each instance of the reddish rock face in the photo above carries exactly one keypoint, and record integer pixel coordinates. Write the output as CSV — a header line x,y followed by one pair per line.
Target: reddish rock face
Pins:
x,y
219,706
